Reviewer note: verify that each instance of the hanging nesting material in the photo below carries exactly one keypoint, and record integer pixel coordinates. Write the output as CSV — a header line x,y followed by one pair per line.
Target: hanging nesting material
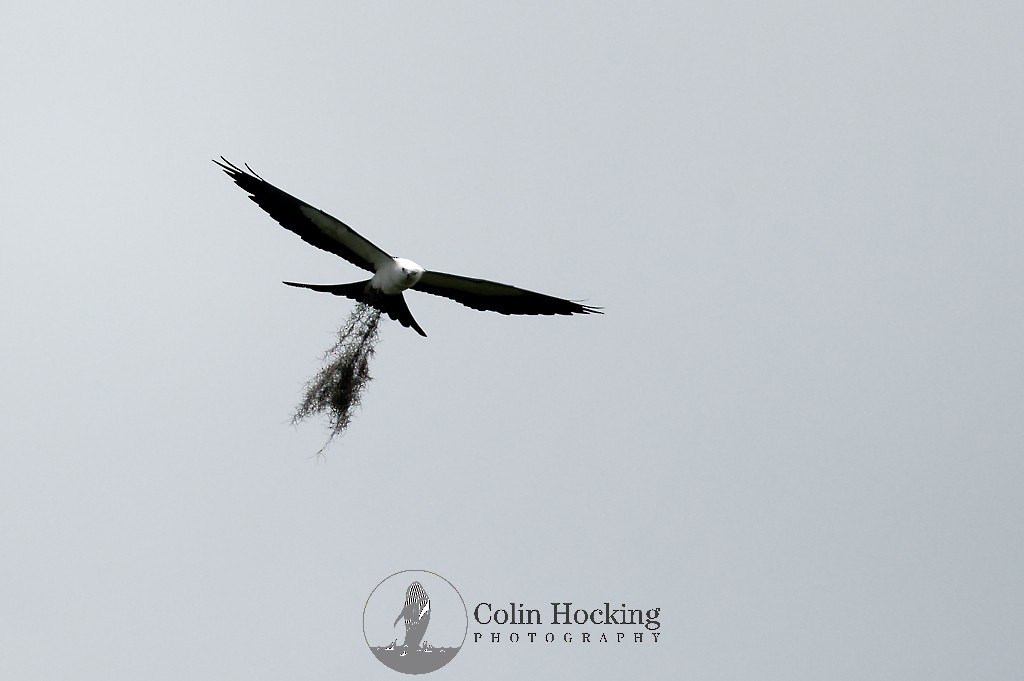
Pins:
x,y
338,388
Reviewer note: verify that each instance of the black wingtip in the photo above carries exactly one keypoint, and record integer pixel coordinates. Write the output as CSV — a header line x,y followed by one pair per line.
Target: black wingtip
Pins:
x,y
583,309
227,166
234,172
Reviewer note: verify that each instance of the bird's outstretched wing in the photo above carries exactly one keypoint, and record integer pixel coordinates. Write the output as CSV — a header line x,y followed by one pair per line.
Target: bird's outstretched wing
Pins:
x,y
314,226
481,294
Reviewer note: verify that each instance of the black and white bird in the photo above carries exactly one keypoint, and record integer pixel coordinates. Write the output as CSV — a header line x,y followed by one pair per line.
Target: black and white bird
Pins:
x,y
391,276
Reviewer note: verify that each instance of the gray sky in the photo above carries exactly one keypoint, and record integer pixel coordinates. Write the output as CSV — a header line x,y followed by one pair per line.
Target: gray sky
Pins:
x,y
797,429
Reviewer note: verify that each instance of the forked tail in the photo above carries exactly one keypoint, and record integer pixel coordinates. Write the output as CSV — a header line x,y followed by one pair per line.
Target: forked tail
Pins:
x,y
393,306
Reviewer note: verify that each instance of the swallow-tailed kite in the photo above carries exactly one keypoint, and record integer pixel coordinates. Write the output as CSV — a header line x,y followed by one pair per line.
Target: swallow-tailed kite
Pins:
x,y
391,276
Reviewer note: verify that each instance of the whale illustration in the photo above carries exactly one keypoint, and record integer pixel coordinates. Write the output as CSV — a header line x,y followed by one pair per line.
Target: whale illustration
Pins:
x,y
416,614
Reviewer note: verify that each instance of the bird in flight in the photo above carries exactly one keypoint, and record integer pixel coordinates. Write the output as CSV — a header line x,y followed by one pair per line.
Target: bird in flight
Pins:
x,y
391,276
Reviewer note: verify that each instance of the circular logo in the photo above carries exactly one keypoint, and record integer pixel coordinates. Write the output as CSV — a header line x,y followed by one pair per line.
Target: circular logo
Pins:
x,y
415,622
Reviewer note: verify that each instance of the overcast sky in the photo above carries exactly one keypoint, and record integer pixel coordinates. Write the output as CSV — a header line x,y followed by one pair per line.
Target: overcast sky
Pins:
x,y
796,430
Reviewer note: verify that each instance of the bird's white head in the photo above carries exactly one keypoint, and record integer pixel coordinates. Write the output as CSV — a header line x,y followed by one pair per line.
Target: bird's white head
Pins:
x,y
410,271
396,276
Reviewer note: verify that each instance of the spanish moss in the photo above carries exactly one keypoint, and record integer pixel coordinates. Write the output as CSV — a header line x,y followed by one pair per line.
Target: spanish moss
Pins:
x,y
338,388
